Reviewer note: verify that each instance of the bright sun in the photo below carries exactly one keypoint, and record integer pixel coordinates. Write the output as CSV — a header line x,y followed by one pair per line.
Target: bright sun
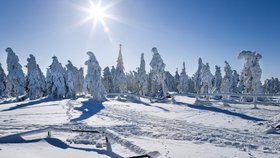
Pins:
x,y
96,13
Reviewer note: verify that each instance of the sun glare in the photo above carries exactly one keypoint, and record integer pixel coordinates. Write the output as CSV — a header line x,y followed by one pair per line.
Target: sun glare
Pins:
x,y
97,13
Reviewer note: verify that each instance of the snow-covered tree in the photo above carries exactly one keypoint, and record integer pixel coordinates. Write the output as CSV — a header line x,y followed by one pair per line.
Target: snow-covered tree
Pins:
x,y
158,87
120,82
142,77
16,78
227,81
71,80
207,79
93,81
183,85
3,83
132,83
235,80
191,86
272,86
107,80
177,80
170,82
197,77
35,80
80,81
55,79
217,80
251,73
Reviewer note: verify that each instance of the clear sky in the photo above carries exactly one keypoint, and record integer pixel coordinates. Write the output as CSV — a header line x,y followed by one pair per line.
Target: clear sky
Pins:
x,y
182,30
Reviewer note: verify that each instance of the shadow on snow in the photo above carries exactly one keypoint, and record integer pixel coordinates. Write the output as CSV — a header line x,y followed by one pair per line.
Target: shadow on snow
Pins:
x,y
30,103
219,110
17,139
88,109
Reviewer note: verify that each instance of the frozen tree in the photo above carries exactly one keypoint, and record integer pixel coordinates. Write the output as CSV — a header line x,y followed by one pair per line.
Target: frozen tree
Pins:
x,y
183,85
3,83
93,81
217,80
170,82
235,80
132,85
142,77
120,82
251,73
272,86
16,79
177,80
35,80
197,77
71,80
80,81
55,79
191,86
107,80
158,87
268,86
206,79
227,81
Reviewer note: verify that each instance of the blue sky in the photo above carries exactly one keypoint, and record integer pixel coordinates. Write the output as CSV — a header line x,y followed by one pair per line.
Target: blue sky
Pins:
x,y
182,30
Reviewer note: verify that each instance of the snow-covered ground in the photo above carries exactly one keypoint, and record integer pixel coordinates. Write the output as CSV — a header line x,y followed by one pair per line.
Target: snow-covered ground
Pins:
x,y
137,127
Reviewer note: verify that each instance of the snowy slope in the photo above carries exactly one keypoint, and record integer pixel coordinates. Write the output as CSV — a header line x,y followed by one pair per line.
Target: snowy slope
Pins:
x,y
138,127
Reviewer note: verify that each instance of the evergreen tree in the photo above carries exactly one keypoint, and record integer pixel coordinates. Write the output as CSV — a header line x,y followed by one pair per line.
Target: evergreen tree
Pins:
x,y
71,80
107,80
251,73
132,85
158,86
227,81
16,78
120,81
235,80
217,80
80,81
142,77
177,80
183,85
35,80
93,81
3,83
169,82
206,79
197,77
55,79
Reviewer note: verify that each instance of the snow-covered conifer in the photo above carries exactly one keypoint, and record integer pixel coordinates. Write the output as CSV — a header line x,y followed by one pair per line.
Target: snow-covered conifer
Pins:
x,y
93,81
170,82
132,83
71,80
80,81
16,78
55,79
107,80
120,82
177,80
197,77
227,81
207,79
235,80
158,87
183,85
35,80
3,83
217,80
142,77
251,73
